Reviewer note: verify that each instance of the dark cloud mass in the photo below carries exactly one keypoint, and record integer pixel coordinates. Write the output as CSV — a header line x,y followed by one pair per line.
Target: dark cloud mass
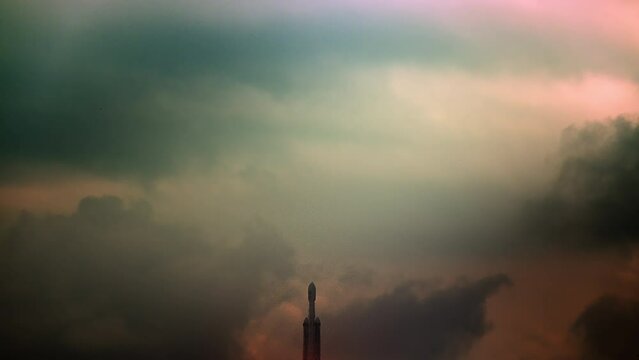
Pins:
x,y
608,329
401,325
89,101
595,198
107,282
108,96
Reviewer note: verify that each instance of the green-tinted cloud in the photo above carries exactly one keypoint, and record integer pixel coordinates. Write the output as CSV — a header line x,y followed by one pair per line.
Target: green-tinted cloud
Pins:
x,y
86,94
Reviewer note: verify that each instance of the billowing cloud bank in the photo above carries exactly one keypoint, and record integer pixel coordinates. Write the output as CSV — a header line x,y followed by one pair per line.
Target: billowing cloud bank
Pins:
x,y
107,282
594,199
401,325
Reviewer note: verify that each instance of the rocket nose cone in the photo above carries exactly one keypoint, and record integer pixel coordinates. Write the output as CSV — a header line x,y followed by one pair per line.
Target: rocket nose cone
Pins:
x,y
311,292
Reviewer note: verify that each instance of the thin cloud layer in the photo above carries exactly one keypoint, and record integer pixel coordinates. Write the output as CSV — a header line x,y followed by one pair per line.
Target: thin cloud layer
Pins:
x,y
107,282
401,325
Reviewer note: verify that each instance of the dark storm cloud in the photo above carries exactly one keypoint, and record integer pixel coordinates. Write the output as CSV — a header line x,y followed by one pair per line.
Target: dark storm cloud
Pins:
x,y
83,96
608,329
595,198
400,325
107,282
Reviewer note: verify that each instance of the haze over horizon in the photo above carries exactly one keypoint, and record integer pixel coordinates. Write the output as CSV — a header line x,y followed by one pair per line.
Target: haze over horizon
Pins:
x,y
459,178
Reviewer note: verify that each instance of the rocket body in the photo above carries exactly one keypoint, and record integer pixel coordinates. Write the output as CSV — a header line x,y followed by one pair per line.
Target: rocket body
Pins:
x,y
311,328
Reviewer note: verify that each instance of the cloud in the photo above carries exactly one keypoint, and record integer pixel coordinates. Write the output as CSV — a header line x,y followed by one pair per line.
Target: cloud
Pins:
x,y
137,91
594,199
137,97
609,329
107,282
401,325
353,277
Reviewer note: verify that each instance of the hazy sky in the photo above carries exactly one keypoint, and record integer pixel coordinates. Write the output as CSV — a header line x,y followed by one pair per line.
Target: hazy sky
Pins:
x,y
459,178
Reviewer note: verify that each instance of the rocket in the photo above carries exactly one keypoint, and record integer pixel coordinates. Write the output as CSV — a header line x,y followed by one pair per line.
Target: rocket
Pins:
x,y
311,328
311,301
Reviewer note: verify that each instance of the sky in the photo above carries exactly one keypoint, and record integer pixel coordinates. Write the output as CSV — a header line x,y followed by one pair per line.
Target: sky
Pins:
x,y
458,178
